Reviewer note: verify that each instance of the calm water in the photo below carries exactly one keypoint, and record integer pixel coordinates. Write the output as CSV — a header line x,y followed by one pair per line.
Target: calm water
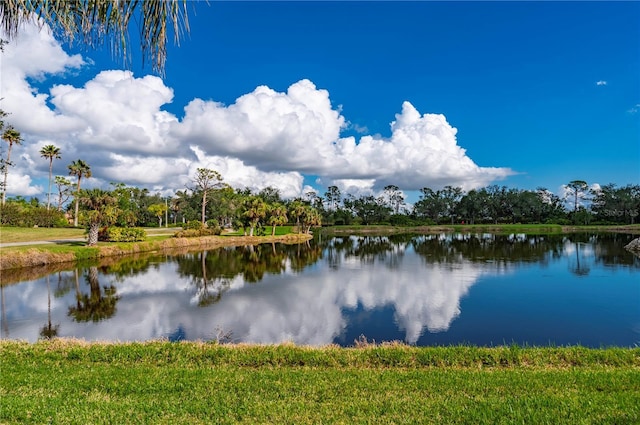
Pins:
x,y
424,290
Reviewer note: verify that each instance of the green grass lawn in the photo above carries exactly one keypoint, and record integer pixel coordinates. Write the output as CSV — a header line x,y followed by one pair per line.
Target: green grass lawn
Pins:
x,y
32,234
280,231
29,234
191,383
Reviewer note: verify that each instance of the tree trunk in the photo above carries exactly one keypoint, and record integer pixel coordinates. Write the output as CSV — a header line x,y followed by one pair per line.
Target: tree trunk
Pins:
x,y
273,230
75,216
94,228
204,204
49,193
6,173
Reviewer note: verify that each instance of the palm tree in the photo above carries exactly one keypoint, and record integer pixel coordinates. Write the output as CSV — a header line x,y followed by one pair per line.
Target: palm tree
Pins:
x,y
12,137
277,217
104,22
78,168
51,152
296,209
102,210
310,217
255,209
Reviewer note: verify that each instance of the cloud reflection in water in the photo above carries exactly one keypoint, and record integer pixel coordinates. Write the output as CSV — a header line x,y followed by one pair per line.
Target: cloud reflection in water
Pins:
x,y
305,295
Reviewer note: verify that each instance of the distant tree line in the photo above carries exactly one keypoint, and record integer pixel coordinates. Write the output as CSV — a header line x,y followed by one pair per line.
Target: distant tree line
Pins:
x,y
218,205
494,204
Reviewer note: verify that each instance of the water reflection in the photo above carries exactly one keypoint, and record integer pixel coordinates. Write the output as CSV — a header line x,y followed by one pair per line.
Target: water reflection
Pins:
x,y
315,293
49,330
99,304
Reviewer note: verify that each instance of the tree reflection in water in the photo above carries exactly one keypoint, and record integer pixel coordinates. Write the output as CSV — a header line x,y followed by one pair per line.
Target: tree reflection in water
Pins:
x,y
3,316
212,272
49,330
97,305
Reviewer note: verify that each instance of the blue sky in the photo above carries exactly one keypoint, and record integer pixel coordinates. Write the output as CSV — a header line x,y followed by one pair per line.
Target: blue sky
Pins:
x,y
541,93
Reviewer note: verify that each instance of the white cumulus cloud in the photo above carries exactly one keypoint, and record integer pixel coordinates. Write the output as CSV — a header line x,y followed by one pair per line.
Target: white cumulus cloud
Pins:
x,y
116,123
284,131
422,151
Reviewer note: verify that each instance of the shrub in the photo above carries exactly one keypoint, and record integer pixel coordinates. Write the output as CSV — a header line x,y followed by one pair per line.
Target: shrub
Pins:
x,y
193,225
10,214
21,215
122,234
194,233
42,217
403,220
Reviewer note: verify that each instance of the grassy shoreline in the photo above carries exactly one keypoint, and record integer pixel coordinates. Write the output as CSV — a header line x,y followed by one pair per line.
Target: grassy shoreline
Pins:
x,y
63,381
64,252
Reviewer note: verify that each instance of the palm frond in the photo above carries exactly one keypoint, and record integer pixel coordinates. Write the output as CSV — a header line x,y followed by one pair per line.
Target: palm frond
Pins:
x,y
98,22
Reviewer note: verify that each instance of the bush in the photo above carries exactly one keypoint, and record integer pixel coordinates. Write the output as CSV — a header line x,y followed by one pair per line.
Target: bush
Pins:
x,y
10,214
193,225
403,220
195,233
42,217
122,234
20,215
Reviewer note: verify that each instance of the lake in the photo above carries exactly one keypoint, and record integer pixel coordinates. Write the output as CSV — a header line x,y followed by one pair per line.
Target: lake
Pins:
x,y
480,289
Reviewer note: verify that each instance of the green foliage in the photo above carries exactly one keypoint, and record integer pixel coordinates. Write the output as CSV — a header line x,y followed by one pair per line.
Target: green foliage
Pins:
x,y
581,217
270,195
158,210
255,210
612,204
22,214
407,221
195,233
193,225
371,210
122,234
11,215
86,253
